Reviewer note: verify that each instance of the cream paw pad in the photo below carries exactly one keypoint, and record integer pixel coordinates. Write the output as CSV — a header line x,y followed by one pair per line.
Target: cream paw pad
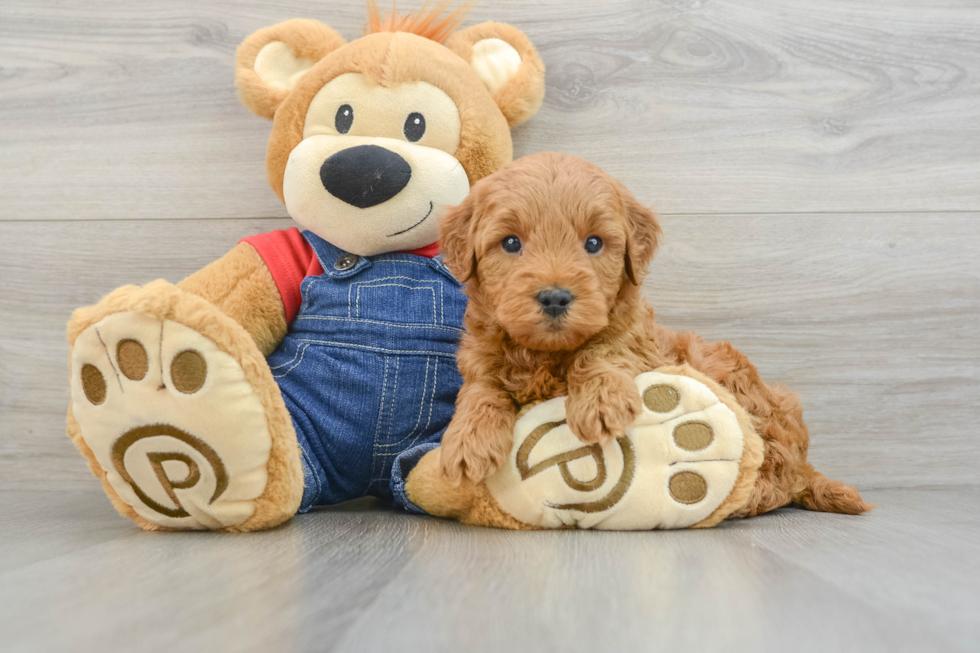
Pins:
x,y
172,420
178,414
689,460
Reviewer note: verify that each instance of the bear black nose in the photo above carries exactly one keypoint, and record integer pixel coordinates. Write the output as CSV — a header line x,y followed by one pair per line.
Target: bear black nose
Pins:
x,y
555,301
365,175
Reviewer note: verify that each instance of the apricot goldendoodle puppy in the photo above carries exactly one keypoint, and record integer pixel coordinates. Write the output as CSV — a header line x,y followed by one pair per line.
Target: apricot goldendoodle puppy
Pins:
x,y
554,251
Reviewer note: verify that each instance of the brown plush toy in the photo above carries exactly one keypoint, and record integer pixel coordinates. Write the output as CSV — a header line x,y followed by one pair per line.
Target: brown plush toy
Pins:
x,y
295,370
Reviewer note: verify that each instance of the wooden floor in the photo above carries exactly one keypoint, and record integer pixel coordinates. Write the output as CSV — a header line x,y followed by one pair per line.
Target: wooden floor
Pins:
x,y
75,577
816,164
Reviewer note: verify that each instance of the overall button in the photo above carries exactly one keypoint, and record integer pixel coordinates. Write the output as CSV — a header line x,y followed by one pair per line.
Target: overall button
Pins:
x,y
345,262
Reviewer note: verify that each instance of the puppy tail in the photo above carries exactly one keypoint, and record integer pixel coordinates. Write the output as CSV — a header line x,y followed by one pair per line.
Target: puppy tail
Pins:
x,y
824,495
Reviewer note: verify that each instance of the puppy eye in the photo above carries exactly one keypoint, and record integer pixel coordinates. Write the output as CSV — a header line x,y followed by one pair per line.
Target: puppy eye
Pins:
x,y
511,244
593,244
414,126
344,118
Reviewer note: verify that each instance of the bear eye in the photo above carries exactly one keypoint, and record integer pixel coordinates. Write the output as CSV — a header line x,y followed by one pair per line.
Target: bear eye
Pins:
x,y
344,118
593,244
414,126
511,244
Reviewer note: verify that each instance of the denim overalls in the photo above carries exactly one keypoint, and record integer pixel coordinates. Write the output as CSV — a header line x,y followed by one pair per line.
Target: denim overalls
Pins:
x,y
368,370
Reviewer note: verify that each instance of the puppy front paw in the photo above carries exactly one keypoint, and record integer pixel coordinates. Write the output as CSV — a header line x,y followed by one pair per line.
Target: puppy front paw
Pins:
x,y
602,409
475,447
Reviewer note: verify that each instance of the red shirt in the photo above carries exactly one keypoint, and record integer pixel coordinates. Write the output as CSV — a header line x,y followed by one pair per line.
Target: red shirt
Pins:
x,y
290,259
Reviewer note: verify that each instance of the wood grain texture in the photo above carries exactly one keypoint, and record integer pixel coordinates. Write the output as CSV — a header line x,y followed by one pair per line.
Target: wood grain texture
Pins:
x,y
361,578
816,163
121,110
874,319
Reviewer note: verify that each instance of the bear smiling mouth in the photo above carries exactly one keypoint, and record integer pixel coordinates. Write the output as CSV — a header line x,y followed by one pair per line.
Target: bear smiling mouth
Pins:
x,y
424,218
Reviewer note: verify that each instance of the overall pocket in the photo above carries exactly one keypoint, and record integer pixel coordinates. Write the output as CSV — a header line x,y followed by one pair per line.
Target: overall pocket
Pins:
x,y
400,298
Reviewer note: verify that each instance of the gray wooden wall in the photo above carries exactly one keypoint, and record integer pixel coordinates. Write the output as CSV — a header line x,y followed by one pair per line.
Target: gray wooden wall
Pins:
x,y
816,167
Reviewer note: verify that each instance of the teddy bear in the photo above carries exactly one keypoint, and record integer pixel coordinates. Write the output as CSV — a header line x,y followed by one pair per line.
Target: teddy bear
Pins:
x,y
304,366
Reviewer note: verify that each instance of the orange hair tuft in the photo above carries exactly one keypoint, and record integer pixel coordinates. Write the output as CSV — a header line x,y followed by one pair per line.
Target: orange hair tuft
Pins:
x,y
424,23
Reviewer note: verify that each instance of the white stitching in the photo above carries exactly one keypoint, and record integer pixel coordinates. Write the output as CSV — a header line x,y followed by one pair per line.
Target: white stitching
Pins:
x,y
377,425
394,395
286,373
397,276
295,355
395,260
304,294
425,385
393,324
435,313
367,282
423,284
432,400
380,349
350,289
391,421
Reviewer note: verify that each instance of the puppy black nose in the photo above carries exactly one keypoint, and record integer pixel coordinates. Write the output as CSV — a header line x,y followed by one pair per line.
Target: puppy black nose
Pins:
x,y
365,175
555,301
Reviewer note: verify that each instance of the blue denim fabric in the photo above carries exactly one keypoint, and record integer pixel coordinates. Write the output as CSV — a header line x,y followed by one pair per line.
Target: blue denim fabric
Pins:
x,y
368,370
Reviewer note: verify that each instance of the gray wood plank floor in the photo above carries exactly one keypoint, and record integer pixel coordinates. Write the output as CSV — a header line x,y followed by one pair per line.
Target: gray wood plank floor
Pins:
x,y
73,576
816,166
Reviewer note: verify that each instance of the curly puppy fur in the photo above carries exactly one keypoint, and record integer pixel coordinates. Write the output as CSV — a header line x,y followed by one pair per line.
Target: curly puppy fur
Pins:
x,y
515,353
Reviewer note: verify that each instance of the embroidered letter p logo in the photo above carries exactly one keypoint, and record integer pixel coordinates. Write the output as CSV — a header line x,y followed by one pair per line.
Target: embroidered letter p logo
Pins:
x,y
562,460
151,475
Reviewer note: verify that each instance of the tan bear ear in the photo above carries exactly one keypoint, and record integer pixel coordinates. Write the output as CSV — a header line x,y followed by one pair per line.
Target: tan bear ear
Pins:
x,y
504,58
270,62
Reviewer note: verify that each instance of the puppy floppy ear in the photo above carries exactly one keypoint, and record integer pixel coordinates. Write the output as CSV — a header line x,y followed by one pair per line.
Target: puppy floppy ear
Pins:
x,y
270,62
504,58
642,239
457,232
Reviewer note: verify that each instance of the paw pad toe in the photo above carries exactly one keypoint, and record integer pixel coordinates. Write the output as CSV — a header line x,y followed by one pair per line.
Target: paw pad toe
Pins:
x,y
188,371
688,487
93,384
693,436
661,398
132,359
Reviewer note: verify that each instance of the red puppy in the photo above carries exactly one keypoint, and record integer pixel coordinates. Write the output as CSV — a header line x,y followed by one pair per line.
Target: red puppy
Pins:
x,y
553,251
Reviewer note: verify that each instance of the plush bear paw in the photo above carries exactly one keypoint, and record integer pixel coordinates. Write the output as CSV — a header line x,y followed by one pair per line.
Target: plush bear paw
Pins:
x,y
180,434
689,459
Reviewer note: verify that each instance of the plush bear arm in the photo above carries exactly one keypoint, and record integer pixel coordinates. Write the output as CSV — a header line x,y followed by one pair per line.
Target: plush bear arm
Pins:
x,y
240,284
